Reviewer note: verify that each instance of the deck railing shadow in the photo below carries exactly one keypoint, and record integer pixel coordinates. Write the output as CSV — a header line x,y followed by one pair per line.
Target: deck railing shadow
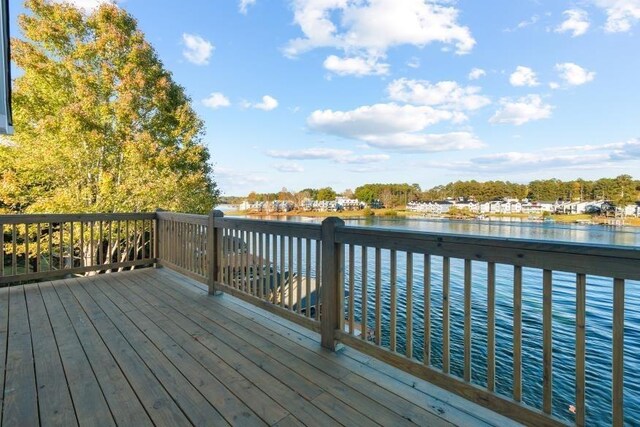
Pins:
x,y
387,293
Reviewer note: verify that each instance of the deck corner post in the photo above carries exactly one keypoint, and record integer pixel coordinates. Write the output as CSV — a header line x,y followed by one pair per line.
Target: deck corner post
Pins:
x,y
156,240
332,294
214,237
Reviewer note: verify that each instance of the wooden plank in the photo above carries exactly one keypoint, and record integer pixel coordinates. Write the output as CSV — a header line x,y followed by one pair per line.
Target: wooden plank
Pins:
x,y
217,394
88,399
446,278
146,394
426,290
191,402
4,328
378,296
60,218
339,410
409,309
20,393
289,421
467,320
364,329
307,276
281,282
547,349
351,304
54,400
618,353
295,229
393,291
258,401
290,269
272,376
308,364
332,286
319,293
491,326
299,276
517,333
581,302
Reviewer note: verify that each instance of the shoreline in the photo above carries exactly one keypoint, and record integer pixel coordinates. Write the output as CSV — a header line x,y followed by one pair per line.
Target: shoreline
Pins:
x,y
392,213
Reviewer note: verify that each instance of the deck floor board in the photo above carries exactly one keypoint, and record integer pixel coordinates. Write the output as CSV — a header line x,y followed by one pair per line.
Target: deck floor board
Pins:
x,y
152,347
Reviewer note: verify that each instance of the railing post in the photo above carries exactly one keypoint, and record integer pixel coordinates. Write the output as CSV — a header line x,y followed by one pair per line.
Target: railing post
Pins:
x,y
156,239
214,249
332,293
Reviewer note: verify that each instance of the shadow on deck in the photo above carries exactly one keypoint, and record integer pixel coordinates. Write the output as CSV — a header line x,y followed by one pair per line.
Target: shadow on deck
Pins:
x,y
152,347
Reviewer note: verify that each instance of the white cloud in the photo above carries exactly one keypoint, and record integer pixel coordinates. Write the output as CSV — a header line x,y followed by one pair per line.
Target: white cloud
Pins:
x,y
621,14
523,76
453,141
216,100
414,62
366,30
446,94
525,109
196,49
356,66
244,5
394,127
289,168
476,73
268,103
573,74
333,154
577,22
524,24
572,157
87,5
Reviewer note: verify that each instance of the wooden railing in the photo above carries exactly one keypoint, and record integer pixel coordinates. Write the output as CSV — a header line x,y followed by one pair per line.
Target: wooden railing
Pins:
x,y
37,247
431,304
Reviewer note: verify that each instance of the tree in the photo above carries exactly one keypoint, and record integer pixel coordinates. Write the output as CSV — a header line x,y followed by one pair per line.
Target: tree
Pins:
x,y
100,126
326,193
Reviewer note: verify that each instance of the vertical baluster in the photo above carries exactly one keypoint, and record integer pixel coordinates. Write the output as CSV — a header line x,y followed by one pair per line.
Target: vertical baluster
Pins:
x,y
91,243
350,308
517,333
426,286
308,278
491,326
393,296
244,251
118,246
282,270
38,248
318,280
14,248
618,352
467,320
127,237
225,255
61,260
254,264
110,243
72,247
299,275
378,290
290,266
409,328
364,328
581,300
26,248
547,349
82,249
275,282
268,278
1,249
261,263
446,278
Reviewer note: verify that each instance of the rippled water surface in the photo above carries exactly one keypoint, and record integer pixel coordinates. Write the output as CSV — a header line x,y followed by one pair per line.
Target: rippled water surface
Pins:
x,y
598,315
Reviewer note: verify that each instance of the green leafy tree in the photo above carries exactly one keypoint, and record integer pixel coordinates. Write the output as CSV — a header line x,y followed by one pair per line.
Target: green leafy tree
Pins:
x,y
100,125
326,193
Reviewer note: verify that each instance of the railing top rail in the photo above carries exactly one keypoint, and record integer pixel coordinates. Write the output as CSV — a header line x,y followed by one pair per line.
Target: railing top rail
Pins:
x,y
44,218
283,228
183,217
609,261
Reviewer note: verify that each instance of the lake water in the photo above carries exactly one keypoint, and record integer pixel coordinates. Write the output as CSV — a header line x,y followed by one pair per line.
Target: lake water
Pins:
x,y
598,316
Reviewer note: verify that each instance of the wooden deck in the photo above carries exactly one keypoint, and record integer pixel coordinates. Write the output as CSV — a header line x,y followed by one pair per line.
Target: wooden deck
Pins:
x,y
150,347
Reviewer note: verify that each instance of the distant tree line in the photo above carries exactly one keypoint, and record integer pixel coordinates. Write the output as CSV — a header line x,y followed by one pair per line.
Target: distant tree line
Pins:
x,y
620,190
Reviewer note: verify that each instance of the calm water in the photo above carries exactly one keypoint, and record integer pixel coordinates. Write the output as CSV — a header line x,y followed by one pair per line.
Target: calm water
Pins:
x,y
598,326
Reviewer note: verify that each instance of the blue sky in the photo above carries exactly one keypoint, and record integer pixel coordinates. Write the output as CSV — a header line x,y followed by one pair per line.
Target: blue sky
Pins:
x,y
314,93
